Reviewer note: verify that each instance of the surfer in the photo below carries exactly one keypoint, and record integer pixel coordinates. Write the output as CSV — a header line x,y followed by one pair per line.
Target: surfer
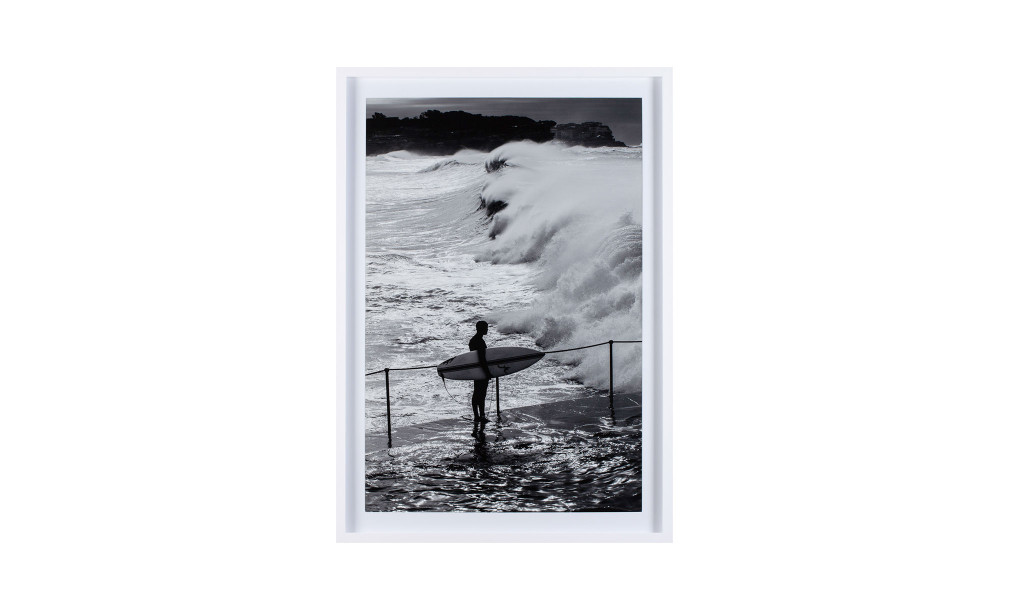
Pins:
x,y
476,344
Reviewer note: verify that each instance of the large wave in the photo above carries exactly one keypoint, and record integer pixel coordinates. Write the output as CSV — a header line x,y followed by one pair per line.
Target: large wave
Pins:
x,y
575,215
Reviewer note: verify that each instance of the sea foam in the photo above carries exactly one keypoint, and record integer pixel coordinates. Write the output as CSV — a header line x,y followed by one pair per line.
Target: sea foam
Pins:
x,y
575,215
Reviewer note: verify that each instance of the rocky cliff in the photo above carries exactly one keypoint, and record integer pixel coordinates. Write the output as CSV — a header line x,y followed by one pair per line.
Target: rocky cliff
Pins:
x,y
585,134
444,133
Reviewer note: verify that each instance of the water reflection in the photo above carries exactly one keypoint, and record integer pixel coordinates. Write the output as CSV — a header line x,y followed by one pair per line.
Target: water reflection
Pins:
x,y
577,457
480,448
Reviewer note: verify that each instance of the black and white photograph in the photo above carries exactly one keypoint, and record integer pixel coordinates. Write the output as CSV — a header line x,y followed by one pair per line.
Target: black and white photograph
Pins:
x,y
503,305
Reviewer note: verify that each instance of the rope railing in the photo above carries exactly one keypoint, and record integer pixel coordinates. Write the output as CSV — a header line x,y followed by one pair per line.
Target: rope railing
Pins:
x,y
409,368
556,351
497,388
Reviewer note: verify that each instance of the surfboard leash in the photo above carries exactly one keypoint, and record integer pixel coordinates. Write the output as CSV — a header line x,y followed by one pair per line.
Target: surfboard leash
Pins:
x,y
445,383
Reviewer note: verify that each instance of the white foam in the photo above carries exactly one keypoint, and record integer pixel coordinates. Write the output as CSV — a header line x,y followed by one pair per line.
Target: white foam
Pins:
x,y
576,213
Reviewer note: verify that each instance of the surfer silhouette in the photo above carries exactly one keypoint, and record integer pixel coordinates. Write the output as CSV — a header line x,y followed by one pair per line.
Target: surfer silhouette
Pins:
x,y
476,344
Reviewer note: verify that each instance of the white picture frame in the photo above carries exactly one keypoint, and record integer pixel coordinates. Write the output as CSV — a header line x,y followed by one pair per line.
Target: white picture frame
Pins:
x,y
654,523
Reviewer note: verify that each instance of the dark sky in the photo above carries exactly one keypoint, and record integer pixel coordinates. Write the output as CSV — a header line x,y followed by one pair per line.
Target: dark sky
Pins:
x,y
623,115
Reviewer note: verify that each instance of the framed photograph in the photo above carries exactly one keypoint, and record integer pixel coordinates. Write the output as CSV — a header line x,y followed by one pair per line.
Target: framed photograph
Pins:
x,y
504,305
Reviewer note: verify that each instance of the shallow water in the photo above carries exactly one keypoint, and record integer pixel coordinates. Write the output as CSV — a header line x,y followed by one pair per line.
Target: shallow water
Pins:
x,y
571,456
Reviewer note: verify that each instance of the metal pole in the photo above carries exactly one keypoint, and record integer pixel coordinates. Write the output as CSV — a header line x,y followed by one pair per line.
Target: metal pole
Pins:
x,y
388,407
611,373
497,390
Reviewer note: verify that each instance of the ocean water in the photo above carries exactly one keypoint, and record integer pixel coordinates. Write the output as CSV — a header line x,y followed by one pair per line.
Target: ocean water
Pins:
x,y
558,265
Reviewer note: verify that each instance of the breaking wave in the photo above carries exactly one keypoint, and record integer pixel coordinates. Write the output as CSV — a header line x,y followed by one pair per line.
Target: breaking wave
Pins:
x,y
575,215
463,157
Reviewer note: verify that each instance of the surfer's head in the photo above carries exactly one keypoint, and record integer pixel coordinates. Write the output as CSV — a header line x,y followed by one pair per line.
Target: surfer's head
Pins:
x,y
481,327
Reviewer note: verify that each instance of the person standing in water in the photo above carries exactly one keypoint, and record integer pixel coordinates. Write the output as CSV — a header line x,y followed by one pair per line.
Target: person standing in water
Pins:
x,y
476,344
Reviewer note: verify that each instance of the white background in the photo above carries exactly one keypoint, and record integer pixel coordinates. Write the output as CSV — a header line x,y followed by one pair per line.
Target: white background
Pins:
x,y
168,340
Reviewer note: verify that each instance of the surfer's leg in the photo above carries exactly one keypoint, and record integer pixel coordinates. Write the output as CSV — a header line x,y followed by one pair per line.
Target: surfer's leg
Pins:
x,y
479,397
483,399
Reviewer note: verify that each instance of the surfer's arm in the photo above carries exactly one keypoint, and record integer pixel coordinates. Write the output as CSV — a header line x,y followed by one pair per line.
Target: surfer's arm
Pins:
x,y
482,355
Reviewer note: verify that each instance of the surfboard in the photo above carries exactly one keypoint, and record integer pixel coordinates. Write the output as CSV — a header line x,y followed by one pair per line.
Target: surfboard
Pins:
x,y
501,361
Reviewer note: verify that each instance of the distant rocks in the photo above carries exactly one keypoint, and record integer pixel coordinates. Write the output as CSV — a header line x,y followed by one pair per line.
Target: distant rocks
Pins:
x,y
444,133
585,134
